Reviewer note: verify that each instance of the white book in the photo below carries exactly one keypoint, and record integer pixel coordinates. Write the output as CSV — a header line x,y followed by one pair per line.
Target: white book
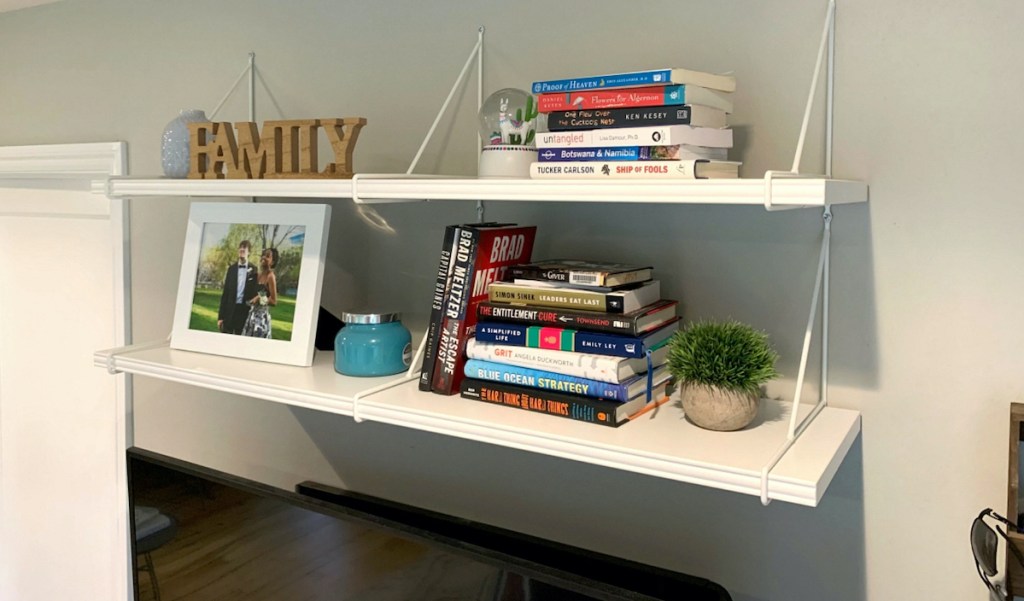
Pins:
x,y
682,169
655,135
603,368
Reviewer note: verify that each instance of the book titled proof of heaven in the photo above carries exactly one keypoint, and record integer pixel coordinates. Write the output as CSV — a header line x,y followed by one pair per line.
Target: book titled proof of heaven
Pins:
x,y
650,77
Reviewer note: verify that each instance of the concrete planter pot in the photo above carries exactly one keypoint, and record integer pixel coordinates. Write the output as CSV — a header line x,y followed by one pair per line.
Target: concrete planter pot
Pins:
x,y
713,408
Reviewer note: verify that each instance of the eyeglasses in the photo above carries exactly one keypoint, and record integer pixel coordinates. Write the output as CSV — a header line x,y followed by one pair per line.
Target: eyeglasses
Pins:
x,y
984,544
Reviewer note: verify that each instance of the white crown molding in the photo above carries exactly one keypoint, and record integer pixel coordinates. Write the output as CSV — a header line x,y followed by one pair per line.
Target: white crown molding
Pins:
x,y
63,160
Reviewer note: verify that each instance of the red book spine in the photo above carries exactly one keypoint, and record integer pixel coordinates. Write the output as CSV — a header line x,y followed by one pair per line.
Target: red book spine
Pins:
x,y
604,99
483,256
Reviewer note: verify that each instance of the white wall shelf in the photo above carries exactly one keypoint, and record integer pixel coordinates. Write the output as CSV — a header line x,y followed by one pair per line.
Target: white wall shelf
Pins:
x,y
371,188
790,454
661,444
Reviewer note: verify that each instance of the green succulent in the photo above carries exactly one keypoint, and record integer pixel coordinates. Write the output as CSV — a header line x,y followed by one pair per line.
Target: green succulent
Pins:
x,y
729,355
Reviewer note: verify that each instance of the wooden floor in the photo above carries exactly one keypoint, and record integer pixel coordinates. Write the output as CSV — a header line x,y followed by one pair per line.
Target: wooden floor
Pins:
x,y
232,545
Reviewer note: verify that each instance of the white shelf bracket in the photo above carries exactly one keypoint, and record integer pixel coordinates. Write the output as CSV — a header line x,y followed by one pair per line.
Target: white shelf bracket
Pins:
x,y
253,74
477,53
355,188
111,369
411,374
111,354
821,283
357,178
249,70
796,426
827,43
479,105
362,394
418,359
769,184
252,86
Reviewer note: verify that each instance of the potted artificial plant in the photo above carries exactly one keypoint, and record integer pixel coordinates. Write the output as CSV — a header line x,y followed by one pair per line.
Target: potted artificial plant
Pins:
x,y
720,367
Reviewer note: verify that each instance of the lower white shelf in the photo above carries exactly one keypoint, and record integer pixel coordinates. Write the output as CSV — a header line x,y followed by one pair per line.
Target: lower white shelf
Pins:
x,y
661,443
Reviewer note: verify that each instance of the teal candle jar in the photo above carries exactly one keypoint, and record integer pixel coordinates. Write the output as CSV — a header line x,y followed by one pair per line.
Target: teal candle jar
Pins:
x,y
372,344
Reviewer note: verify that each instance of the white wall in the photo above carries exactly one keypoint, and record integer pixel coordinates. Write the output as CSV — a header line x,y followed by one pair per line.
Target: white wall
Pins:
x,y
927,278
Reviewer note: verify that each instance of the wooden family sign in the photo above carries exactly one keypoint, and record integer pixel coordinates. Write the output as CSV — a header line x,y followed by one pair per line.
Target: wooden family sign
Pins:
x,y
282,149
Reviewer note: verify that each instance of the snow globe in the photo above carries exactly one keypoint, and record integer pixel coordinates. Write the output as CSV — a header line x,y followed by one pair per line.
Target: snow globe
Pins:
x,y
508,126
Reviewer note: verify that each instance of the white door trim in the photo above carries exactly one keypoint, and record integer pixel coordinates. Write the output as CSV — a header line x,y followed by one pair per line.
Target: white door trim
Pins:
x,y
75,166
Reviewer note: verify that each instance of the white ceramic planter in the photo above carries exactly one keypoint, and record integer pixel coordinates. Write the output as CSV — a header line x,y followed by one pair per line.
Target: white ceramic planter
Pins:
x,y
506,160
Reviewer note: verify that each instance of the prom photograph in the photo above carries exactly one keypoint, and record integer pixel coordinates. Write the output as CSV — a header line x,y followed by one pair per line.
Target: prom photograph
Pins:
x,y
247,279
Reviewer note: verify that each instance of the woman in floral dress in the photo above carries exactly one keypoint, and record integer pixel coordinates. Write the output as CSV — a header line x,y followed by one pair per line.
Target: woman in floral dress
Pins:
x,y
257,324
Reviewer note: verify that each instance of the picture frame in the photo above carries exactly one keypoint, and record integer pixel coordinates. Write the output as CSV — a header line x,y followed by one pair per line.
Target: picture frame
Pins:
x,y
263,305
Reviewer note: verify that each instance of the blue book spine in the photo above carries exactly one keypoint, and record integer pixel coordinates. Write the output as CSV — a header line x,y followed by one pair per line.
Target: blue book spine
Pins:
x,y
624,153
501,333
609,344
545,380
620,80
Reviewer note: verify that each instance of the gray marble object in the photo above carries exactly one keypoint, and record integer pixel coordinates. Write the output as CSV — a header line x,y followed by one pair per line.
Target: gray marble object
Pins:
x,y
174,147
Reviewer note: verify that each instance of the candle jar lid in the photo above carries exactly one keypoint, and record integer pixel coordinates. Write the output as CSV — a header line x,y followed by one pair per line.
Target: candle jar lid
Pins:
x,y
370,318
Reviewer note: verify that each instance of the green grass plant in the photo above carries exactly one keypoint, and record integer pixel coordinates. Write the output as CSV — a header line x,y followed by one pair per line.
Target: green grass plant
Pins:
x,y
729,355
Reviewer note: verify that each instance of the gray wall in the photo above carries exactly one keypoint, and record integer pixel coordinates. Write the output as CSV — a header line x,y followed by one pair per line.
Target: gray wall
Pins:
x,y
927,277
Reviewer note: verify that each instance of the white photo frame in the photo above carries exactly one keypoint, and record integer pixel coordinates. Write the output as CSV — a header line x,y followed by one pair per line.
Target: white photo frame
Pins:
x,y
208,287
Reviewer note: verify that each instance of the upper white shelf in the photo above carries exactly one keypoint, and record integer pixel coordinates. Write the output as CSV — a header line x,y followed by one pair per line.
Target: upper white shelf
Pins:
x,y
373,188
661,443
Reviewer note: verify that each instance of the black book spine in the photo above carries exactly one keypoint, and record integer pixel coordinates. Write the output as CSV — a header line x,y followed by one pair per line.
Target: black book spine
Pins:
x,y
578,408
613,118
444,273
466,244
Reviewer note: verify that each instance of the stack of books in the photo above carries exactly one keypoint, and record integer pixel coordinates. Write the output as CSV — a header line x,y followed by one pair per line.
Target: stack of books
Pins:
x,y
662,123
583,340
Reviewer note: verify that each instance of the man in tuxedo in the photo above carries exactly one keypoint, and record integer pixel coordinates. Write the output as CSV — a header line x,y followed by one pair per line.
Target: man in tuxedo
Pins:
x,y
239,287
